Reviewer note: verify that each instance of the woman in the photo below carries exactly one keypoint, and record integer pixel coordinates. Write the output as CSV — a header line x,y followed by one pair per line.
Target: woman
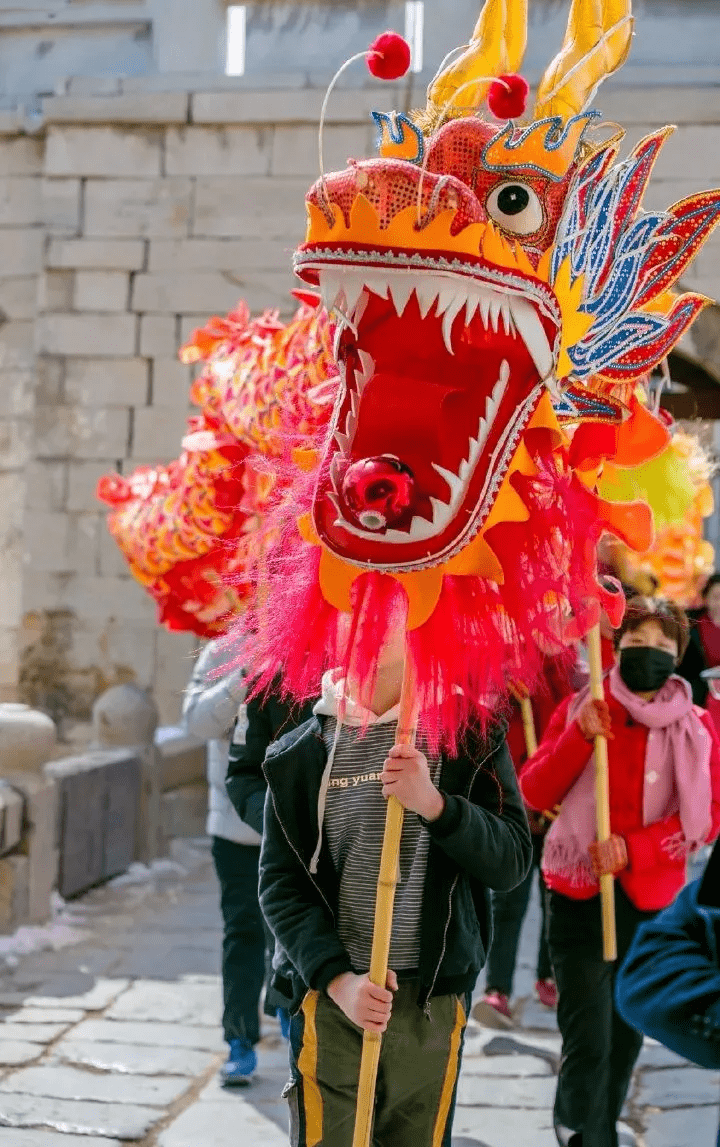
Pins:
x,y
664,762
703,651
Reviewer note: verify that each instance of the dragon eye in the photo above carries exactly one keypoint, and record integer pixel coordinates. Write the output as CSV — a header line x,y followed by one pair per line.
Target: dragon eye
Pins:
x,y
516,207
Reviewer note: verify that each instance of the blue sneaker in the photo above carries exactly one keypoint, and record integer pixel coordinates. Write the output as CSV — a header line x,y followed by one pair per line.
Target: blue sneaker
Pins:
x,y
239,1068
284,1017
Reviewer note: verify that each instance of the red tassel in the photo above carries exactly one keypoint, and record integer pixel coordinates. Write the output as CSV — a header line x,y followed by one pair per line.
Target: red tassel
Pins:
x,y
508,96
388,56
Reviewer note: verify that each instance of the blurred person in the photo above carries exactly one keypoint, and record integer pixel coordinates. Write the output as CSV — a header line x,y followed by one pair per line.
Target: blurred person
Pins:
x,y
669,984
213,704
509,908
703,651
464,832
664,781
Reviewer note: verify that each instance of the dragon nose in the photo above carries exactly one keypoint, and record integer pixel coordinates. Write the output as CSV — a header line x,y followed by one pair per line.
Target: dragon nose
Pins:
x,y
378,491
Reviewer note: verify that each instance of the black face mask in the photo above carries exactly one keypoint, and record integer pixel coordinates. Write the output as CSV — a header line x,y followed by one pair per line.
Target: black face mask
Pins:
x,y
644,668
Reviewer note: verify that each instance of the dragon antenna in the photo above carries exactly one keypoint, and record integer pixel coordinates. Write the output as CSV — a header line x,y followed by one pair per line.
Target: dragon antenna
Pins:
x,y
388,58
596,44
497,47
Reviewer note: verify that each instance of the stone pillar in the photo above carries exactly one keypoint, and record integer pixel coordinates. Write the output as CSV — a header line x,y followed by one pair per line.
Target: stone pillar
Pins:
x,y
126,716
27,738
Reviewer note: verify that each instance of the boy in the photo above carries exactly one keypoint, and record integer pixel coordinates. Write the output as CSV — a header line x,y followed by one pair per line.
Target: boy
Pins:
x,y
465,832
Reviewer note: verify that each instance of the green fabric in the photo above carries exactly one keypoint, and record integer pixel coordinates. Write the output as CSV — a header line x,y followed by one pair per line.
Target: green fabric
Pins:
x,y
414,1057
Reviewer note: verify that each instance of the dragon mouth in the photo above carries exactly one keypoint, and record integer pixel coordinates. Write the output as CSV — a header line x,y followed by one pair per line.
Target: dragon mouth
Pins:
x,y
440,371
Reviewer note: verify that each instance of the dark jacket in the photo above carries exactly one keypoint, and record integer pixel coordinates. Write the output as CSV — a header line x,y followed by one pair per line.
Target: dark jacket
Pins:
x,y
693,661
669,984
268,717
480,842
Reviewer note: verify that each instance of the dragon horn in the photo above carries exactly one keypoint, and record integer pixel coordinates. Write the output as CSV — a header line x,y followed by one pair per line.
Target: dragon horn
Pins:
x,y
497,47
597,42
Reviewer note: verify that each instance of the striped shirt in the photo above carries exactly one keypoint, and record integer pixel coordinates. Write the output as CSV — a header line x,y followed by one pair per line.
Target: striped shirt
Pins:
x,y
353,826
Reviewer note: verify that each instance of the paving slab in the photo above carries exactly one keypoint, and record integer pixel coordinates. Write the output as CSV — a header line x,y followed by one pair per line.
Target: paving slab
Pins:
x,y
95,999
515,1066
697,1127
113,1120
61,1082
150,1034
220,1124
16,1052
501,1127
181,1003
655,1054
678,1087
41,1137
480,1091
40,1016
135,1059
35,1033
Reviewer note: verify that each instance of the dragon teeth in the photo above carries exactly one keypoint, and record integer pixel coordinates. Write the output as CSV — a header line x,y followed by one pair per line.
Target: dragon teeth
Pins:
x,y
454,481
528,324
401,290
449,317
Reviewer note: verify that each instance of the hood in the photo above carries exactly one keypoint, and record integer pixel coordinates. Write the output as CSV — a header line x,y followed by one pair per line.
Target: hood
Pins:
x,y
335,702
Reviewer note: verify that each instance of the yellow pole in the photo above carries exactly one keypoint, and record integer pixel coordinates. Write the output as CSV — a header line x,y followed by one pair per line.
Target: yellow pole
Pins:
x,y
384,903
528,725
602,798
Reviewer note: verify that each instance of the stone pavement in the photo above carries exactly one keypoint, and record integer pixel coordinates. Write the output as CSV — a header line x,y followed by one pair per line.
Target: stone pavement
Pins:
x,y
113,1038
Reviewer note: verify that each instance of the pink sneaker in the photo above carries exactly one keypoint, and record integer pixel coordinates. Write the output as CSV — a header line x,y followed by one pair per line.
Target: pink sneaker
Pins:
x,y
493,1011
547,993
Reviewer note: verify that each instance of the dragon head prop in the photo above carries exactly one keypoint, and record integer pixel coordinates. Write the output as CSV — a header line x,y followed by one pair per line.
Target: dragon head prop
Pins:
x,y
497,293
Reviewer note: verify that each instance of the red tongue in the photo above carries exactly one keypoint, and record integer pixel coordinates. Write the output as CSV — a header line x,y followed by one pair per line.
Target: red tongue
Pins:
x,y
400,415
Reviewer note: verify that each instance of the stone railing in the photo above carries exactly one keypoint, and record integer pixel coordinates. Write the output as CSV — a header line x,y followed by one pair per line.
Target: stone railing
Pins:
x,y
72,822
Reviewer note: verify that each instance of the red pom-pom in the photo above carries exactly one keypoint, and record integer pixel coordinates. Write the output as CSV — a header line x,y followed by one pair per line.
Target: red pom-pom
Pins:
x,y
508,96
388,56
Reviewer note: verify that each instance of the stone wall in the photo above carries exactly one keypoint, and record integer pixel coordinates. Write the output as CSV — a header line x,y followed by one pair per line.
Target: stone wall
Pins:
x,y
124,222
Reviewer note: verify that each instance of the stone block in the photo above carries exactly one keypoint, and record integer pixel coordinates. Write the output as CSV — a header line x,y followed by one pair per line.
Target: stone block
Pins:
x,y
60,1082
134,1059
183,294
84,541
20,201
55,290
14,894
295,149
657,105
81,432
47,542
208,1122
158,334
130,108
219,151
105,336
11,815
22,155
36,1033
103,151
154,1001
17,1052
16,345
18,297
21,250
121,1120
102,290
182,760
183,256
673,1087
33,1016
135,207
272,208
106,381
11,579
175,656
96,999
96,254
183,812
62,206
16,393
45,485
679,1128
158,431
295,105
15,444
113,564
50,380
105,599
171,382
83,478
40,845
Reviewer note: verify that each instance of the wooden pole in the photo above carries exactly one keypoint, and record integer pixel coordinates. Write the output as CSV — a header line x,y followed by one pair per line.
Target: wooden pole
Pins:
x,y
602,798
384,904
528,725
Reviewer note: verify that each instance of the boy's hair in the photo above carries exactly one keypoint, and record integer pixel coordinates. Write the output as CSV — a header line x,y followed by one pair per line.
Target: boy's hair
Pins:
x,y
713,580
670,618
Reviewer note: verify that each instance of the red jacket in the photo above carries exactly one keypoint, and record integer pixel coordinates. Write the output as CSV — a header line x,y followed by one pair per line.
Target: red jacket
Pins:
x,y
652,877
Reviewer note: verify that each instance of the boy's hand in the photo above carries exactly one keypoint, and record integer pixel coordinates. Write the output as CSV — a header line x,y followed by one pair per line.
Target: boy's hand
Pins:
x,y
406,776
362,1001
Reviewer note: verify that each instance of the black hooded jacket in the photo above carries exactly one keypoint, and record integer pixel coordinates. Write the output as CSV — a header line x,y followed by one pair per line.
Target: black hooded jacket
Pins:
x,y
480,842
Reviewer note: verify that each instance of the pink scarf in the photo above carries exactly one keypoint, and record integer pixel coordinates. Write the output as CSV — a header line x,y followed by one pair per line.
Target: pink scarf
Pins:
x,y
677,779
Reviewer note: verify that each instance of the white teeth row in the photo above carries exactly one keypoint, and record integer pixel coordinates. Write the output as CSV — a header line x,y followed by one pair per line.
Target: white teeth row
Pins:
x,y
346,291
443,512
